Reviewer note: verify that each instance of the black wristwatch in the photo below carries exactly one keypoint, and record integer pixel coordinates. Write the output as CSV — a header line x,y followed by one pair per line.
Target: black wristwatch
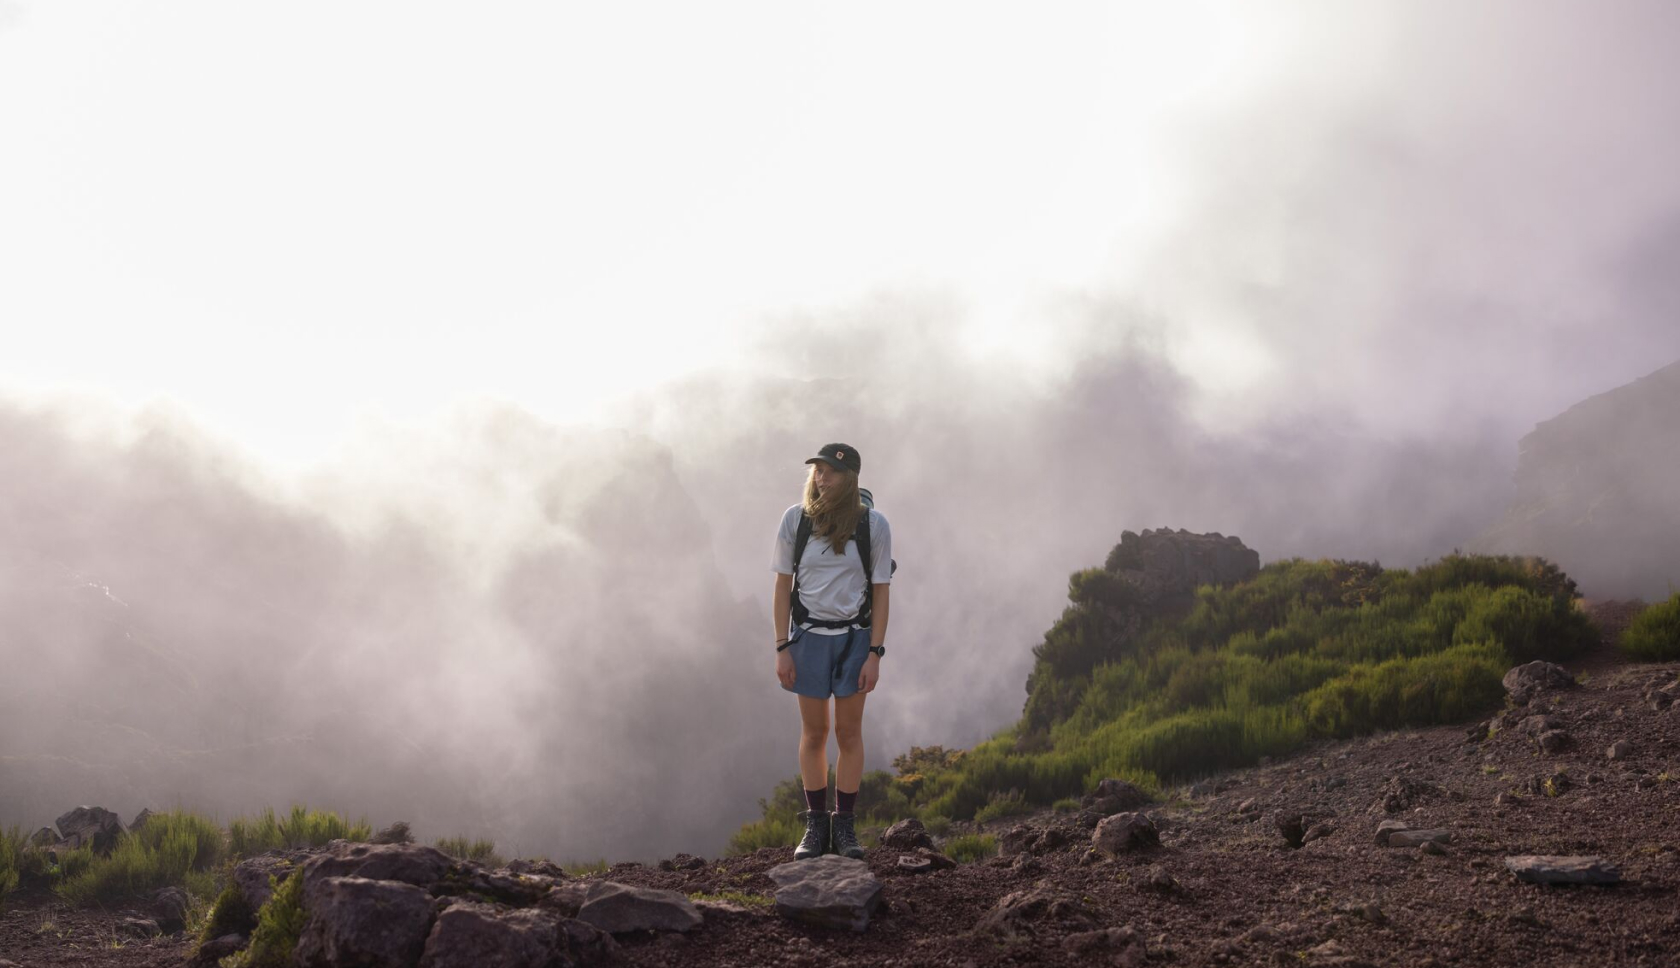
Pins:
x,y
879,650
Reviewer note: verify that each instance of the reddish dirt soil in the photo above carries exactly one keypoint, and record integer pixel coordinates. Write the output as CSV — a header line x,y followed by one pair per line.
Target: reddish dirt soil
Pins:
x,y
1223,887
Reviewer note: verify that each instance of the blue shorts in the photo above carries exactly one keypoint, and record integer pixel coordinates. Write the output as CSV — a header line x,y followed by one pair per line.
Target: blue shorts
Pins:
x,y
827,665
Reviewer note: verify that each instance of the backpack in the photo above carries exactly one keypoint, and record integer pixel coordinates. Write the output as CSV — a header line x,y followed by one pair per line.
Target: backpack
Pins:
x,y
801,615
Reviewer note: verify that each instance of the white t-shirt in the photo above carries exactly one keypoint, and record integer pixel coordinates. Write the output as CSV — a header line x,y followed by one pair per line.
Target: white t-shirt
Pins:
x,y
831,586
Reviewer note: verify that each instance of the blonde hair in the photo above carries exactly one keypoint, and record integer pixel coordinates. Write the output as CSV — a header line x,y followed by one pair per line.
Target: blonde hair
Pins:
x,y
834,516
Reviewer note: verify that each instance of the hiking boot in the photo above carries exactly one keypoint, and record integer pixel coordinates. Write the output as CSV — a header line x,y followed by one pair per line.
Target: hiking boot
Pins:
x,y
845,838
815,841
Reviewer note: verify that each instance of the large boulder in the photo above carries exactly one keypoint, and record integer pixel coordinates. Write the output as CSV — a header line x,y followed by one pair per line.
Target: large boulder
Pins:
x,y
1123,832
256,877
473,935
364,923
90,825
830,891
407,863
1166,565
1526,681
620,908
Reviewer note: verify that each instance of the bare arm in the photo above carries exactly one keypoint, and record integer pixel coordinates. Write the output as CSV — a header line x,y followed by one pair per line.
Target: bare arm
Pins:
x,y
780,603
878,614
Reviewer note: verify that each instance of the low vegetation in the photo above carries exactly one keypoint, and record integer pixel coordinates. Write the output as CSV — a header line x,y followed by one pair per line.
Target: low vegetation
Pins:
x,y
1654,635
1307,650
478,851
279,924
302,827
170,849
969,848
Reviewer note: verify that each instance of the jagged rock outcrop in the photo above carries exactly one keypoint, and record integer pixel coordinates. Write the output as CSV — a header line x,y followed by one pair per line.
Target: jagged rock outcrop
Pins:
x,y
90,825
1595,491
1167,566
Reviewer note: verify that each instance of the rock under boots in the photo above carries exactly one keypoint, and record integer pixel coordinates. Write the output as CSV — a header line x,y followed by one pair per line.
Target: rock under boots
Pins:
x,y
845,838
815,841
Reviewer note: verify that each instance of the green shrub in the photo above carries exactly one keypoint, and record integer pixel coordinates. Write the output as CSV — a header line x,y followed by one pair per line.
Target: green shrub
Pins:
x,y
1066,805
584,869
768,832
1654,634
279,924
231,914
301,828
174,849
210,843
969,848
735,897
1006,803
1529,625
478,851
937,825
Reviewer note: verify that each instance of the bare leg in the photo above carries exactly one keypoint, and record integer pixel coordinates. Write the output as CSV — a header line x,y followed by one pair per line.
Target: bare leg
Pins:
x,y
813,743
848,730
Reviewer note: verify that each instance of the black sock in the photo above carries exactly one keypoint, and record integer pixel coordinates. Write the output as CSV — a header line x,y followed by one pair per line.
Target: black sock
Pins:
x,y
844,802
816,801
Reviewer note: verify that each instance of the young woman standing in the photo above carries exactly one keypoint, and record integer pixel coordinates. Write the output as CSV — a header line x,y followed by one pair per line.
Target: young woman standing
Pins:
x,y
837,609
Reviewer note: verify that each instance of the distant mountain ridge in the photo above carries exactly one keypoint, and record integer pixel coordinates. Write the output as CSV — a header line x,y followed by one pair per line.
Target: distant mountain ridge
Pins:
x,y
1598,491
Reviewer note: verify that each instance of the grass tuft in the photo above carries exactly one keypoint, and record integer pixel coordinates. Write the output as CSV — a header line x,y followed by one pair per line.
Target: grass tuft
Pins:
x,y
302,827
478,851
969,848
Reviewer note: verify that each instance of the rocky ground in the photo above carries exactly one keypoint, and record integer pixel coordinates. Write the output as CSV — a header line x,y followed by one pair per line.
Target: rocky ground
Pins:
x,y
1598,775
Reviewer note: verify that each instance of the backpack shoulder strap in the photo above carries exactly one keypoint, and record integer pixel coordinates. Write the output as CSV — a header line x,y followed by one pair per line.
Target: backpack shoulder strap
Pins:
x,y
801,538
861,536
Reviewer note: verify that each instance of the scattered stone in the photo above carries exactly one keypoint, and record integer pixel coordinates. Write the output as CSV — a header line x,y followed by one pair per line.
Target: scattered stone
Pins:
x,y
140,819
1503,799
1052,838
828,891
1539,723
90,825
1417,838
1157,880
1113,796
1555,740
1123,832
1556,785
1387,829
912,864
1015,840
1432,847
45,837
542,868
498,885
1619,750
907,834
1017,912
357,921
1404,793
1527,681
396,833
620,908
1091,856
682,862
139,927
1646,782
1539,869
169,907
1317,831
211,953
589,945
1248,806
474,935
939,861
1365,911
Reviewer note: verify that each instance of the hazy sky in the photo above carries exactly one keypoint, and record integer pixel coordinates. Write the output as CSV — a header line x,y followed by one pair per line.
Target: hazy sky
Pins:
x,y
458,350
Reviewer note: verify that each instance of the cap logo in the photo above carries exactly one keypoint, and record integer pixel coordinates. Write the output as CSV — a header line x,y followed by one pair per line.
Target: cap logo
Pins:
x,y
840,455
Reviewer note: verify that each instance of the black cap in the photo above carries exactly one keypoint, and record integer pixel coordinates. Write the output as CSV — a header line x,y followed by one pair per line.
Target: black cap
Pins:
x,y
841,457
